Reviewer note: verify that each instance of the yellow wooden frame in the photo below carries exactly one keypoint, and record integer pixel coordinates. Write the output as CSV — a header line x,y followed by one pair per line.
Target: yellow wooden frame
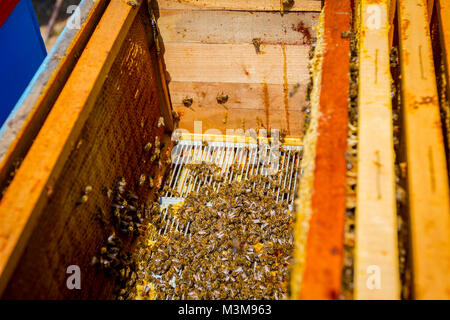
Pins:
x,y
376,248
428,187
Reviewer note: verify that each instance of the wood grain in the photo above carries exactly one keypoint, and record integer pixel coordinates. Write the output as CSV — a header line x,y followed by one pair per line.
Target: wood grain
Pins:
x,y
235,63
376,247
427,170
323,268
249,5
236,27
211,120
240,96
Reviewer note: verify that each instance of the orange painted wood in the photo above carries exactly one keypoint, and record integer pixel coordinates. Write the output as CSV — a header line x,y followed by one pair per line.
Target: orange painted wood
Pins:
x,y
34,181
322,275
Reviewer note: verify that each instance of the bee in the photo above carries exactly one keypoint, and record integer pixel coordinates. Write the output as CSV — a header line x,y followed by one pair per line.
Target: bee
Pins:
x,y
84,198
222,98
150,183
283,134
161,122
394,60
401,195
175,116
142,178
133,3
121,184
257,44
187,102
88,189
403,169
347,34
102,217
294,90
147,147
157,142
95,261
108,192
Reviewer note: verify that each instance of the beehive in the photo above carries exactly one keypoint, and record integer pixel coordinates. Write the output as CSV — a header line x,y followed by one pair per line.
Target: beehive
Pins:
x,y
245,66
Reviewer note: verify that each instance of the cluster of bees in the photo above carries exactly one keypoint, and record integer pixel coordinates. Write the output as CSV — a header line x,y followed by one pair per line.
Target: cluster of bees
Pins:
x,y
127,223
231,243
128,218
113,260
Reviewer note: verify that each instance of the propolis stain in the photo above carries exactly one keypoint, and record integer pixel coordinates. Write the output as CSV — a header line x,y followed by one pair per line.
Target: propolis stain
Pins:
x,y
266,102
286,89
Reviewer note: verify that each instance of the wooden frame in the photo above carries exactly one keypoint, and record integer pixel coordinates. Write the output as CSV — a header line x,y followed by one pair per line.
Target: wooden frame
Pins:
x,y
376,247
39,170
427,169
324,246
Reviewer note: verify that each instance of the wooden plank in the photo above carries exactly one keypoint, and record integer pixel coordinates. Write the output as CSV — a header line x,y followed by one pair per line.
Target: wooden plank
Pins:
x,y
34,180
236,138
236,27
238,63
217,120
443,8
427,171
324,246
256,96
249,5
19,130
376,247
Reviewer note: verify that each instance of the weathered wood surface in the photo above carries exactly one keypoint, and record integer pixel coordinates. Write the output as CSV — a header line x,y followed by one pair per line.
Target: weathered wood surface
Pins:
x,y
249,5
236,27
376,249
190,62
323,269
209,52
427,169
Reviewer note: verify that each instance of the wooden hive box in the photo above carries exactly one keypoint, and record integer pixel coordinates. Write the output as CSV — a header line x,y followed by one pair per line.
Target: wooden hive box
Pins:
x,y
97,101
86,123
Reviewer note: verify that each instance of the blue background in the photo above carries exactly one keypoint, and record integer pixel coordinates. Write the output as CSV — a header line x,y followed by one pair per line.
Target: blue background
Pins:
x,y
22,51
